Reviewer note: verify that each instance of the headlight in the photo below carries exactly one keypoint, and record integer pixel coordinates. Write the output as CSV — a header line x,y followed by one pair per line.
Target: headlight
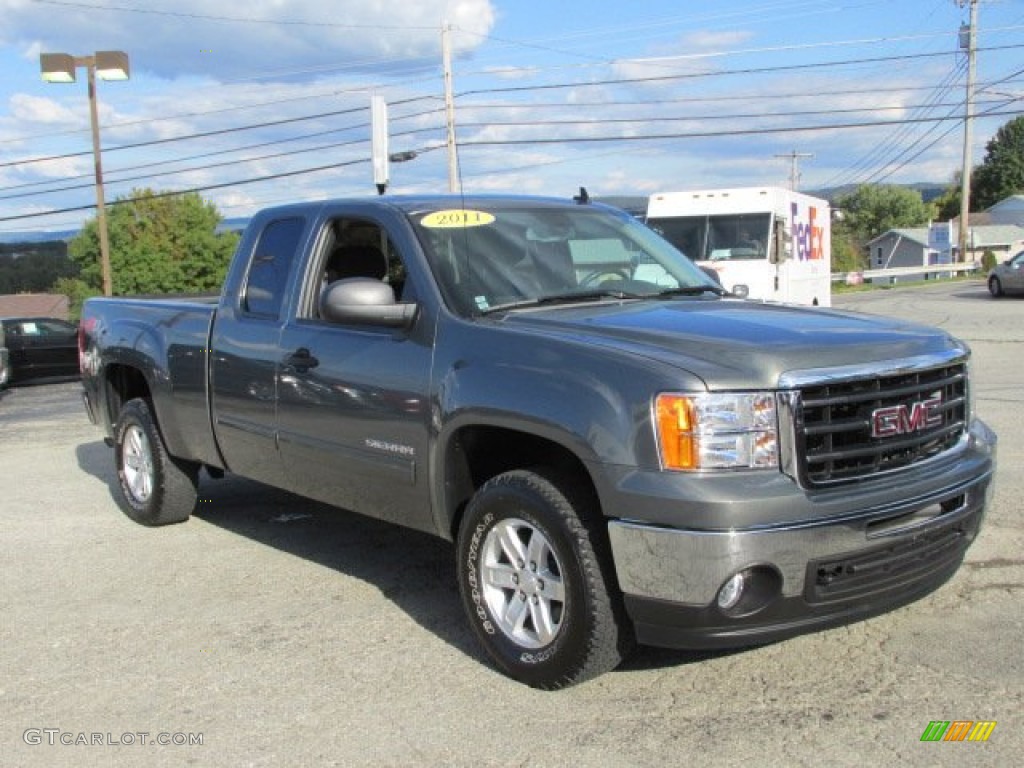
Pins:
x,y
717,431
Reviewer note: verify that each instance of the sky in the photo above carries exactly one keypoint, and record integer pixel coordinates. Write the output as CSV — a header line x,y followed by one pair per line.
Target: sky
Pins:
x,y
268,102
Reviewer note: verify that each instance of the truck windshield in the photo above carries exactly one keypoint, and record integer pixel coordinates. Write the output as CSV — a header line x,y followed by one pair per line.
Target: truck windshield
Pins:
x,y
500,257
718,237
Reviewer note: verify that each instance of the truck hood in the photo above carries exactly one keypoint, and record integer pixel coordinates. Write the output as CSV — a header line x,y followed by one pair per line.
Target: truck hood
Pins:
x,y
736,344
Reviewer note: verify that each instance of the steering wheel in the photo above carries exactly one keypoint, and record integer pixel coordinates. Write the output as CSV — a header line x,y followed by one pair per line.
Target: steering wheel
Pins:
x,y
602,275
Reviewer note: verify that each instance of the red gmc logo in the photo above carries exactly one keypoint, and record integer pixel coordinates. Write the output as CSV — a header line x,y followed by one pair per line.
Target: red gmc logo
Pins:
x,y
905,419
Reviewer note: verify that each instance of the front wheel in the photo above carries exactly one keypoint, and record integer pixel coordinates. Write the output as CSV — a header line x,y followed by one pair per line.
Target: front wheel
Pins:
x,y
537,583
995,287
156,488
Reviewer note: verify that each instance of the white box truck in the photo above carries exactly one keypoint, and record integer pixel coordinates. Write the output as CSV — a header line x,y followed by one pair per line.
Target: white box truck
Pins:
x,y
773,241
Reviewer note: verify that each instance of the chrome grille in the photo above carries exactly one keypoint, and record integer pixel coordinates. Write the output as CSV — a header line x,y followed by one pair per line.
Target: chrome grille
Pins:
x,y
834,436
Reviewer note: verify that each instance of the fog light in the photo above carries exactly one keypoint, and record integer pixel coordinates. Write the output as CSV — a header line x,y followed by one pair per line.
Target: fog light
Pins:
x,y
731,592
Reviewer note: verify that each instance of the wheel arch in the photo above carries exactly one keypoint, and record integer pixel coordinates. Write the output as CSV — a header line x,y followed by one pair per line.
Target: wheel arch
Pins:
x,y
122,383
475,453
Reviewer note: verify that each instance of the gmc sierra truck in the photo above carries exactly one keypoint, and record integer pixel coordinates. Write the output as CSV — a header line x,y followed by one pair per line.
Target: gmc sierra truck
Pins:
x,y
621,451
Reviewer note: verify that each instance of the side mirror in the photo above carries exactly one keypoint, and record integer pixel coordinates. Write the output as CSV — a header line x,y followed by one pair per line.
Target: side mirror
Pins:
x,y
365,301
741,290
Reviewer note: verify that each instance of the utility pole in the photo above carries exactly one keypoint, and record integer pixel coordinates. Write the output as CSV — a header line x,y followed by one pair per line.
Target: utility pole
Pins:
x,y
449,108
794,169
971,44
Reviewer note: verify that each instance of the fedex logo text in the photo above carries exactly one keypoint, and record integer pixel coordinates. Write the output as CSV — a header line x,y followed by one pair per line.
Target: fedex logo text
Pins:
x,y
807,234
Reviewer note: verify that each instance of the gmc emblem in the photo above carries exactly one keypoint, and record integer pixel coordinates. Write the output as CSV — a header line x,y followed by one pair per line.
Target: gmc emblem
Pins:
x,y
905,419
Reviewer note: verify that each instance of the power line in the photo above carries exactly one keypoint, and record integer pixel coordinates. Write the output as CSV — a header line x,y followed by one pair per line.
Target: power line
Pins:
x,y
709,134
208,167
511,89
216,153
718,73
234,19
204,188
335,145
880,149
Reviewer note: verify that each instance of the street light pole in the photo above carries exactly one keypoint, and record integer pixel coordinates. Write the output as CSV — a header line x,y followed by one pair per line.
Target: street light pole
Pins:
x,y
111,65
101,208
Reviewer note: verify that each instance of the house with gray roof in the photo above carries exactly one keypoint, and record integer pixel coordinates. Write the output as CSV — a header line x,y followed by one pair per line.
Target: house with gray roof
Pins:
x,y
999,229
1009,210
909,247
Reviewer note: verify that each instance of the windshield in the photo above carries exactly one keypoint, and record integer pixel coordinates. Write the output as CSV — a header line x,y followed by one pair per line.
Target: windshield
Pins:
x,y
742,236
495,258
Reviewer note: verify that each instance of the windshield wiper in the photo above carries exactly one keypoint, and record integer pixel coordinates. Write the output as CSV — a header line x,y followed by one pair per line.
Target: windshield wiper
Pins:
x,y
598,293
570,297
692,290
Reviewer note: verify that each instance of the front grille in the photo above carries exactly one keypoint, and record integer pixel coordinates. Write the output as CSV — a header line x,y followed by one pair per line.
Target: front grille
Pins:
x,y
834,431
892,567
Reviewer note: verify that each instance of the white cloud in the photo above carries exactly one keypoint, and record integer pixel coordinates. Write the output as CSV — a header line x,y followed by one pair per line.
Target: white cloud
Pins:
x,y
34,109
260,38
707,40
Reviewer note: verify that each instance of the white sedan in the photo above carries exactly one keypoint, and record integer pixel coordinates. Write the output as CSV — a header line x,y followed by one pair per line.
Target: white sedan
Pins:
x,y
1007,277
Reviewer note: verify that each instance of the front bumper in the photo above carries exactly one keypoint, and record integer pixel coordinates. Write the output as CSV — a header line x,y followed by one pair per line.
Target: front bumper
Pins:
x,y
803,575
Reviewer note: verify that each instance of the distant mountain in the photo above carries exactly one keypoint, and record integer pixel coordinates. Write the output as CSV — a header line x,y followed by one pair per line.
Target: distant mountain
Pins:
x,y
37,237
233,225
11,238
929,190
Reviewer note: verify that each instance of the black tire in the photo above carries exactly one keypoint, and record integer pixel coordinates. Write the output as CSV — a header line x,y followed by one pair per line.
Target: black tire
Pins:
x,y
575,630
156,488
995,287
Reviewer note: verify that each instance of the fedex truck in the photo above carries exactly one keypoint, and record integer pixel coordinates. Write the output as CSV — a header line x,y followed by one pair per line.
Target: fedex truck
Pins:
x,y
772,243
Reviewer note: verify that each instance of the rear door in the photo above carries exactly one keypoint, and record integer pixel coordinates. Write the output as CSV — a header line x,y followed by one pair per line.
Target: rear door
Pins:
x,y
246,344
353,411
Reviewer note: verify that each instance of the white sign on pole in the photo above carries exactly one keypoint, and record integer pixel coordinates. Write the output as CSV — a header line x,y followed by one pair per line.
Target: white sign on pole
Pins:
x,y
379,142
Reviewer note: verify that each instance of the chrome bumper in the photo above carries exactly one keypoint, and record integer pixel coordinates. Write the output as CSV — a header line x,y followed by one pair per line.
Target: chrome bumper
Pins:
x,y
824,565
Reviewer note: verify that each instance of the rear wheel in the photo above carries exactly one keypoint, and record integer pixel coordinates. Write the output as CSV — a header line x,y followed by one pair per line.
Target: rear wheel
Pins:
x,y
156,488
995,287
537,583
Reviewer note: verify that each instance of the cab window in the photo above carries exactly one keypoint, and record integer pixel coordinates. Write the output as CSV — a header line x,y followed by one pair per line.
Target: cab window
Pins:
x,y
272,259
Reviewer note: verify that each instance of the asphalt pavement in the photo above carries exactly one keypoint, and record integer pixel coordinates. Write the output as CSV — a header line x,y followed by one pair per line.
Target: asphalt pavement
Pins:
x,y
273,631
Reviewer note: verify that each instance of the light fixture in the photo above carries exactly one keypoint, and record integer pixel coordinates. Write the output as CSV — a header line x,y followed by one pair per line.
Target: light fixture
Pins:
x,y
57,67
112,65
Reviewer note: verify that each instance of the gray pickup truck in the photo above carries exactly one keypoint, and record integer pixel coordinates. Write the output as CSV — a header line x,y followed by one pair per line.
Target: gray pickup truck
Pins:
x,y
620,451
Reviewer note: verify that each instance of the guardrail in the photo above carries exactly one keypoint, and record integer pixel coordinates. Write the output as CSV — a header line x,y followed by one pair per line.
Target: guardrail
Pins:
x,y
874,275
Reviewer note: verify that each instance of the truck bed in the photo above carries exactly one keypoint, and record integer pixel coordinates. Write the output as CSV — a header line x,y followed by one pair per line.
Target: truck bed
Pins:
x,y
174,333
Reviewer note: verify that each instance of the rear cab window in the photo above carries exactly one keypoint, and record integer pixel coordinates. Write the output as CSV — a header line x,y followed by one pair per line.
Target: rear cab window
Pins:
x,y
267,280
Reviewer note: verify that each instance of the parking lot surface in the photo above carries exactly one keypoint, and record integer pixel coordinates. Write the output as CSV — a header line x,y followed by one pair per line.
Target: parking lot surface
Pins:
x,y
273,631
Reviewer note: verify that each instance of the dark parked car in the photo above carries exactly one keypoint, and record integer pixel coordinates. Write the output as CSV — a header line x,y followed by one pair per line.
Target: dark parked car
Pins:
x,y
1008,277
39,347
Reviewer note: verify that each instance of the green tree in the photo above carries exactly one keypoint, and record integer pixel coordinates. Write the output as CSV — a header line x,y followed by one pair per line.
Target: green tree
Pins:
x,y
846,256
77,292
947,205
1001,173
873,209
159,243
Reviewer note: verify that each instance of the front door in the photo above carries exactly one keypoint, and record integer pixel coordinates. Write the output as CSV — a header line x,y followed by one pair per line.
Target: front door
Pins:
x,y
353,413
